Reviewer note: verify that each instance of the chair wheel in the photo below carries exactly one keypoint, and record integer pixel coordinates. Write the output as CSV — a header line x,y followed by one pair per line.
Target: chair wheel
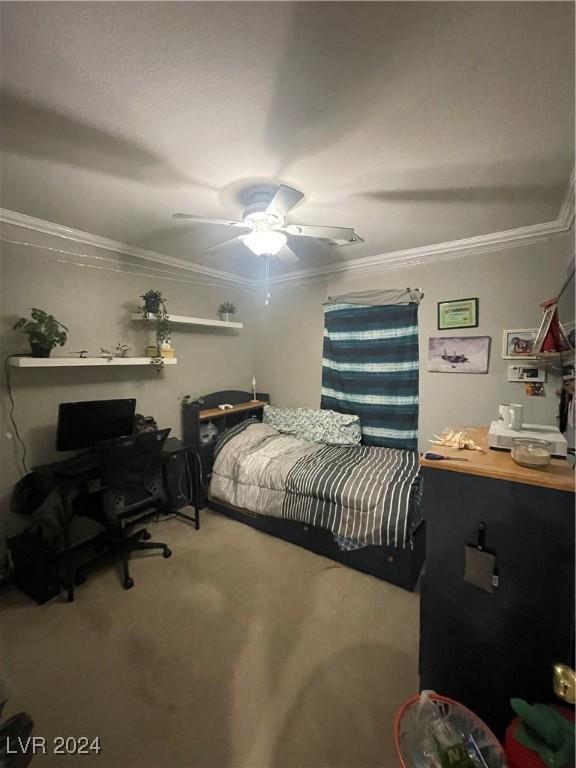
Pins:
x,y
167,552
128,583
146,536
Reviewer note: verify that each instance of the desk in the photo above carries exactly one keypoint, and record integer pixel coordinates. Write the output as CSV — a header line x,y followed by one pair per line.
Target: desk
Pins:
x,y
68,487
558,475
479,647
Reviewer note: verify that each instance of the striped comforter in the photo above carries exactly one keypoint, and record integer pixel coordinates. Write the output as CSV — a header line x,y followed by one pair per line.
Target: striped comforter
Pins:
x,y
363,494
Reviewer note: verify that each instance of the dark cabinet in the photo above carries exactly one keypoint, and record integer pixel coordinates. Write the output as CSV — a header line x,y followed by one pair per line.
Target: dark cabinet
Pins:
x,y
483,648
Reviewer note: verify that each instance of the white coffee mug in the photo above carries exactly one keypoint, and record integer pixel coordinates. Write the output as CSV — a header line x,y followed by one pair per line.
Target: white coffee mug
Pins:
x,y
516,415
504,413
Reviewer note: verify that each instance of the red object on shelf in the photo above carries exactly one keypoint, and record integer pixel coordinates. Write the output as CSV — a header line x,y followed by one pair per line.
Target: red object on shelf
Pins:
x,y
554,337
555,340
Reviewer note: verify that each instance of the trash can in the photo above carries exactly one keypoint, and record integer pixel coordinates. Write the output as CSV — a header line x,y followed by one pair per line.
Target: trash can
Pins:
x,y
409,730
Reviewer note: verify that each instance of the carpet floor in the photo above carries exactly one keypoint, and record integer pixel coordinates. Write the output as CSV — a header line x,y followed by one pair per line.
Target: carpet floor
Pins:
x,y
240,651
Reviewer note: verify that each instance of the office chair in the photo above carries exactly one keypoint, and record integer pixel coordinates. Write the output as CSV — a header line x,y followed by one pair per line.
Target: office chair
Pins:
x,y
132,488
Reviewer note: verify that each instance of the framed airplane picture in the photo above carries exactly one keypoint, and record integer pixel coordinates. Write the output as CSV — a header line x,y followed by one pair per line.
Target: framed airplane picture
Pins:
x,y
459,313
458,354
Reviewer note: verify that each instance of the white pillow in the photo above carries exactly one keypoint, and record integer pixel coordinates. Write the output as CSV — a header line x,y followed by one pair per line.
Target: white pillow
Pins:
x,y
315,426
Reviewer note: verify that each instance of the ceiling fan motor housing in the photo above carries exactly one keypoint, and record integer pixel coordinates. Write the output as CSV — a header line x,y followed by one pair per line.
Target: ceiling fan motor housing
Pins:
x,y
264,216
256,213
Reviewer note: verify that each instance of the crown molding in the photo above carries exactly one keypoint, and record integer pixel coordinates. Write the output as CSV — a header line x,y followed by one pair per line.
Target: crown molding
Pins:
x,y
454,249
96,241
426,254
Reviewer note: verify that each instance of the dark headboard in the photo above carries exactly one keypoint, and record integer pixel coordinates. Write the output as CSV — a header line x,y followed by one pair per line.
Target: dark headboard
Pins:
x,y
191,412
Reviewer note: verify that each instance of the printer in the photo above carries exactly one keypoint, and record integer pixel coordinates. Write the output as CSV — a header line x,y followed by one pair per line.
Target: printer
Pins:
x,y
500,437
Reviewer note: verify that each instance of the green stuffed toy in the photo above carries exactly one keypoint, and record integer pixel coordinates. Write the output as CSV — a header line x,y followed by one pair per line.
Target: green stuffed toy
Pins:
x,y
543,730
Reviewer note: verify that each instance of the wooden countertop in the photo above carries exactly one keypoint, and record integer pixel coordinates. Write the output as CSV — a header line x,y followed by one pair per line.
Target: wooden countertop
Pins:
x,y
499,465
216,413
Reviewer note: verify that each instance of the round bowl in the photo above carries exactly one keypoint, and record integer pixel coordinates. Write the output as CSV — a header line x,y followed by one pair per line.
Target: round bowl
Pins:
x,y
531,452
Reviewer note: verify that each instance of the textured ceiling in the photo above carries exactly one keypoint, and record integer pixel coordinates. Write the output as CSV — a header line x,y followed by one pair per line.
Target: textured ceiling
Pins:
x,y
415,123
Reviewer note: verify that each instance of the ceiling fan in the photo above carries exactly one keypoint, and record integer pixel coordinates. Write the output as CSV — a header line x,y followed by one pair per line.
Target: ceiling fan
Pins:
x,y
266,228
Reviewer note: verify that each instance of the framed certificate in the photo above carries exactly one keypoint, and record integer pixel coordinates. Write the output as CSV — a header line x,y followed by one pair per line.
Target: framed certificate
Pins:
x,y
461,313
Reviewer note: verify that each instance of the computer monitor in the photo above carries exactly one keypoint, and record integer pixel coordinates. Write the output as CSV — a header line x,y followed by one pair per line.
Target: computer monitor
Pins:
x,y
81,425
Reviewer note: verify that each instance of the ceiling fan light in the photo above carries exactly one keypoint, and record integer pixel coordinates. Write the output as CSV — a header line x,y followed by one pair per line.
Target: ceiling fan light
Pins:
x,y
265,242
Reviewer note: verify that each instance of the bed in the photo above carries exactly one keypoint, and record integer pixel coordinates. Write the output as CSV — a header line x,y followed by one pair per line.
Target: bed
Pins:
x,y
358,505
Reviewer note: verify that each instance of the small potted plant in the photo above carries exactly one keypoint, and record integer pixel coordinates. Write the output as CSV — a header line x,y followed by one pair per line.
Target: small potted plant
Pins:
x,y
153,302
226,310
43,330
164,336
155,305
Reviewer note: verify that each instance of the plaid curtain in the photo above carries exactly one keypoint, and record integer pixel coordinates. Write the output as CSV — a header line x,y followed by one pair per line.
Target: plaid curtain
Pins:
x,y
370,368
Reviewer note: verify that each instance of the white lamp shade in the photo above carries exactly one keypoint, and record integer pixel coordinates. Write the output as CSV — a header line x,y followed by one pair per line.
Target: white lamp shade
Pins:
x,y
267,242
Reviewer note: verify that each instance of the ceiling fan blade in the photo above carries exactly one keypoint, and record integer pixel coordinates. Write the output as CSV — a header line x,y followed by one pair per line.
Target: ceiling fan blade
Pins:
x,y
225,244
464,194
285,198
208,220
338,235
287,255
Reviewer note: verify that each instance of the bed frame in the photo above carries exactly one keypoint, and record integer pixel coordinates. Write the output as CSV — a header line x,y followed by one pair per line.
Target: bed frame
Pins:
x,y
401,567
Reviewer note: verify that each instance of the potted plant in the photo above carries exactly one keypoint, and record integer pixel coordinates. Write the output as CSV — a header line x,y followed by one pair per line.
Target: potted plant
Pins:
x,y
163,335
226,310
153,302
43,330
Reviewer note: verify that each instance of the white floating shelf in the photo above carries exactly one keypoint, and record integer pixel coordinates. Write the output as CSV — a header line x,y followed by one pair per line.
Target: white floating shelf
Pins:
x,y
69,362
183,320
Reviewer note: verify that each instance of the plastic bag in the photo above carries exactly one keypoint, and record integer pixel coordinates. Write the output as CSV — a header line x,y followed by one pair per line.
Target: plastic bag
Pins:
x,y
435,741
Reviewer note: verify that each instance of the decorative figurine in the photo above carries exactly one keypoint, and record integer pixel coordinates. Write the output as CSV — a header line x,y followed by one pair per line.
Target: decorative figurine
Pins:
x,y
121,350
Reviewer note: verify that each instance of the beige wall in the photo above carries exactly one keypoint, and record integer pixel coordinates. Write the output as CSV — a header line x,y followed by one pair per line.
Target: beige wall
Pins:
x,y
95,304
509,284
281,345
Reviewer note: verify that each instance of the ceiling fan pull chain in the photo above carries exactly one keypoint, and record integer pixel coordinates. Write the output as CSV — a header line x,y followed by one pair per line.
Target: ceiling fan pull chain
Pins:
x,y
267,279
